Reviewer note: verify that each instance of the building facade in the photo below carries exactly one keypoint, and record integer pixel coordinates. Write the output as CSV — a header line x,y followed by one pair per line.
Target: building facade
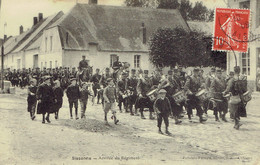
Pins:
x,y
249,62
101,33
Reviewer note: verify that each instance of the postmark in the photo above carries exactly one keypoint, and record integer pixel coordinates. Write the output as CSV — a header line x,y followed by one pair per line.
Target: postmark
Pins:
x,y
231,29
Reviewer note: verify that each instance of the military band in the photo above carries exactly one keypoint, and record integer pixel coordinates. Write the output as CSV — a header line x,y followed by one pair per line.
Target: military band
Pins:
x,y
136,91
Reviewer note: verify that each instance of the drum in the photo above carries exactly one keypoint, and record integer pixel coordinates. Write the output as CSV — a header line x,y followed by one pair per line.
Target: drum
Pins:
x,y
179,96
202,95
246,97
152,94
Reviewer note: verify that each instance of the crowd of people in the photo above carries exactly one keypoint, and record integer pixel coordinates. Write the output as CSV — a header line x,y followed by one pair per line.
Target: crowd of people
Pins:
x,y
164,95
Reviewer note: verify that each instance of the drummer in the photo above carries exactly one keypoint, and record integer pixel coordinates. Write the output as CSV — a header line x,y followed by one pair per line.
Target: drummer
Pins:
x,y
191,87
218,86
144,85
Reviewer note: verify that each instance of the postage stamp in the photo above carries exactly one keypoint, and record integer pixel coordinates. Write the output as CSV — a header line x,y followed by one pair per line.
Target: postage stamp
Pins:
x,y
231,29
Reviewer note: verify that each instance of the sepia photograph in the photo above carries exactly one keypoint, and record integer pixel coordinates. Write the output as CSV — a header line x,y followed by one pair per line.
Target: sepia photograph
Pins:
x,y
129,82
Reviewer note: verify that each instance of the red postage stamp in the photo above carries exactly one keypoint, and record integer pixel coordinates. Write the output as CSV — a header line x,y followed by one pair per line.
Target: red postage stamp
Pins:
x,y
231,29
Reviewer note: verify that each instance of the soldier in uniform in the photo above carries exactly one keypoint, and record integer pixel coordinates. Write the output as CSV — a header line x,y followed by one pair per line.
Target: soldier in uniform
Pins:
x,y
192,86
144,85
182,75
83,64
95,80
132,87
122,92
104,77
218,86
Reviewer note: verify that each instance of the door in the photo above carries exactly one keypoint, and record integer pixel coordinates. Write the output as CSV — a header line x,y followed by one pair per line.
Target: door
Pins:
x,y
35,61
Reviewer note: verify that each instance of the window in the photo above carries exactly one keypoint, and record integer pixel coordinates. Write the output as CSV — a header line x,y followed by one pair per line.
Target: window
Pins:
x,y
258,13
50,64
50,43
137,61
246,63
46,40
244,5
113,58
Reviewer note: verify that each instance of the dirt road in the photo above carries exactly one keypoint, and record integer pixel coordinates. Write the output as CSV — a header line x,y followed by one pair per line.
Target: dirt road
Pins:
x,y
133,141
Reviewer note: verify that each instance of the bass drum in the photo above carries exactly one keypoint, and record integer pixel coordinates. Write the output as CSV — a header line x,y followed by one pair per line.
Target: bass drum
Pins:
x,y
179,97
152,94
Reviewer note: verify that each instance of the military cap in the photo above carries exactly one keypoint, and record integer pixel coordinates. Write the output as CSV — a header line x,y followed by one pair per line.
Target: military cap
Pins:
x,y
219,71
169,71
162,91
133,70
72,79
175,70
213,69
231,73
107,69
124,73
109,79
196,70
237,69
146,71
46,78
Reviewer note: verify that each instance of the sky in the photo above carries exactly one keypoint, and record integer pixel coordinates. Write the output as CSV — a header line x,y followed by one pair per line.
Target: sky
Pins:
x,y
15,13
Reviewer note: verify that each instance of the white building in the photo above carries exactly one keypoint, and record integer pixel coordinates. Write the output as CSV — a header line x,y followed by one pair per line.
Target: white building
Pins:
x,y
249,62
101,33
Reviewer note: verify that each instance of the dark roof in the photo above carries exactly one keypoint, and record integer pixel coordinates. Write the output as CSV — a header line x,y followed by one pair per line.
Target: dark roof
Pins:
x,y
113,28
28,38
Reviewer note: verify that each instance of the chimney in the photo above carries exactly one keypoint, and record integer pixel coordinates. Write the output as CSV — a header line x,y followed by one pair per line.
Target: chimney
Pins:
x,y
40,17
21,29
92,2
143,33
35,21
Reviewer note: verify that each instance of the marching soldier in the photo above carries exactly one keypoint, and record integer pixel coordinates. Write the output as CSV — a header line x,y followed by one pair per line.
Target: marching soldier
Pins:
x,y
95,80
218,86
104,77
192,86
132,87
83,64
122,91
144,85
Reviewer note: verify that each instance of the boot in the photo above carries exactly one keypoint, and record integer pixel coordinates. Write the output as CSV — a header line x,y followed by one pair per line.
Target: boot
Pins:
x,y
167,131
115,120
43,119
48,118
177,121
160,131
142,115
189,116
216,118
224,118
131,111
201,119
151,116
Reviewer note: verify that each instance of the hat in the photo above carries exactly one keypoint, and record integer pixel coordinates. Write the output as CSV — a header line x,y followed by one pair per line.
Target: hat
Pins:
x,y
219,71
175,70
109,79
133,70
231,73
146,71
124,74
72,79
162,91
169,71
107,69
213,69
196,70
46,78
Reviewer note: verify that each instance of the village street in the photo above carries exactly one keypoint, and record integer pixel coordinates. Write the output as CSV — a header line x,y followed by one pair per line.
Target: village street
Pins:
x,y
132,141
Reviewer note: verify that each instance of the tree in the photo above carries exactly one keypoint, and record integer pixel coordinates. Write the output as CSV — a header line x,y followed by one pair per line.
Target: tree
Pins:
x,y
199,12
185,9
168,4
169,47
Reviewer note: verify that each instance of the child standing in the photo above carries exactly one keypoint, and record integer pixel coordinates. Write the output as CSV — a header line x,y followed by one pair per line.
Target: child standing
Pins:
x,y
73,96
110,99
162,107
83,98
31,99
58,92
